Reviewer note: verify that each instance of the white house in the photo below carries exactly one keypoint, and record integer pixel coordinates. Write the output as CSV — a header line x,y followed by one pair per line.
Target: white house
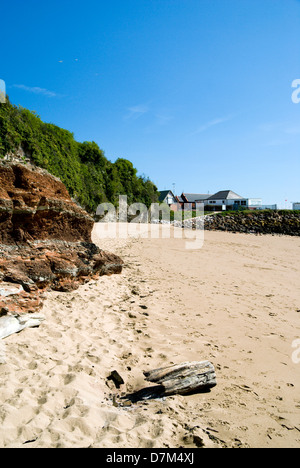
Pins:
x,y
227,199
167,196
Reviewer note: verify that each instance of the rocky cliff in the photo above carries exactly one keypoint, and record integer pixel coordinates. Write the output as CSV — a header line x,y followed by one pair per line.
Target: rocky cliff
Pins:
x,y
45,239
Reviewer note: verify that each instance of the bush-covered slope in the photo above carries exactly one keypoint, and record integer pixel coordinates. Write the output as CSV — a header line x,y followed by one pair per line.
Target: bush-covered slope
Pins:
x,y
88,175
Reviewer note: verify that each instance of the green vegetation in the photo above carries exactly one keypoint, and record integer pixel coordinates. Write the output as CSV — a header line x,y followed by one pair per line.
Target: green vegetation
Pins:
x,y
88,175
183,215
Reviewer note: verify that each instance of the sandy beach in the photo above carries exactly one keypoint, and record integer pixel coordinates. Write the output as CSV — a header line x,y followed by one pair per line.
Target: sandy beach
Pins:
x,y
235,302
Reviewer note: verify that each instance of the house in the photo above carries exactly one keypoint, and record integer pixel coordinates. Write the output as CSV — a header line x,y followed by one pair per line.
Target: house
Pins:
x,y
190,199
180,202
296,206
229,200
223,199
220,201
168,197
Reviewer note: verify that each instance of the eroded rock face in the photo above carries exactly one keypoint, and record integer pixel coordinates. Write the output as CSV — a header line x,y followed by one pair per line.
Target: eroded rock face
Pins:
x,y
35,205
45,239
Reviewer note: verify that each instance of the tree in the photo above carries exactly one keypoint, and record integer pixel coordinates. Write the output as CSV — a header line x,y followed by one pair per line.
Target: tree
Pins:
x,y
88,175
89,152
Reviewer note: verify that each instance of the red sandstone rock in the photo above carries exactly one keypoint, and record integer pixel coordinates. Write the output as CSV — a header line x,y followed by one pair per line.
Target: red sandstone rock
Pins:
x,y
34,205
45,238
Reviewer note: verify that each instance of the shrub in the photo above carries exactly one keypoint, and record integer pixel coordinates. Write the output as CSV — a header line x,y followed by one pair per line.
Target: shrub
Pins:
x,y
88,175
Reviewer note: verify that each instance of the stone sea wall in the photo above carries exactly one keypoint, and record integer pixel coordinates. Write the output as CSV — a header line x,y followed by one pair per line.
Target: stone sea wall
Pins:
x,y
283,222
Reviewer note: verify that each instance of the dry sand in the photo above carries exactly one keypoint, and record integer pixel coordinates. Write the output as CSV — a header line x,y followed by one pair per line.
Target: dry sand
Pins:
x,y
235,302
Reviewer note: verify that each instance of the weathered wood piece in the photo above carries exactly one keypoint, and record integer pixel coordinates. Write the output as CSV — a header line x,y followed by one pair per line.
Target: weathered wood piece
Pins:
x,y
116,378
184,378
10,324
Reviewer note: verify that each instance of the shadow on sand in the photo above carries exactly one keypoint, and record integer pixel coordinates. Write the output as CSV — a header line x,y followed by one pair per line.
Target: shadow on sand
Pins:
x,y
155,392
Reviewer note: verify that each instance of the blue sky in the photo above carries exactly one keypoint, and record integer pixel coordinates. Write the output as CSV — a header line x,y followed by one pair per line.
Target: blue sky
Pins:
x,y
193,92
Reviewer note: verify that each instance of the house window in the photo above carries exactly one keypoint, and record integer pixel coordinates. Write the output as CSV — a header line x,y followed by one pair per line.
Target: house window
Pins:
x,y
243,203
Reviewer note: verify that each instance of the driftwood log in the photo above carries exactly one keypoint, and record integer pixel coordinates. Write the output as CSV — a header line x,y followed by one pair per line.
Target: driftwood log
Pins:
x,y
10,324
184,378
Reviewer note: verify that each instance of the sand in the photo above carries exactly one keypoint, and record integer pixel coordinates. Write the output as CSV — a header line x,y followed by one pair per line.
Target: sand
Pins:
x,y
235,302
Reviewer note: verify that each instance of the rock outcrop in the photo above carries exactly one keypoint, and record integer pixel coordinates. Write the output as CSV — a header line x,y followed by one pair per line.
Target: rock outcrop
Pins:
x,y
45,239
257,222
